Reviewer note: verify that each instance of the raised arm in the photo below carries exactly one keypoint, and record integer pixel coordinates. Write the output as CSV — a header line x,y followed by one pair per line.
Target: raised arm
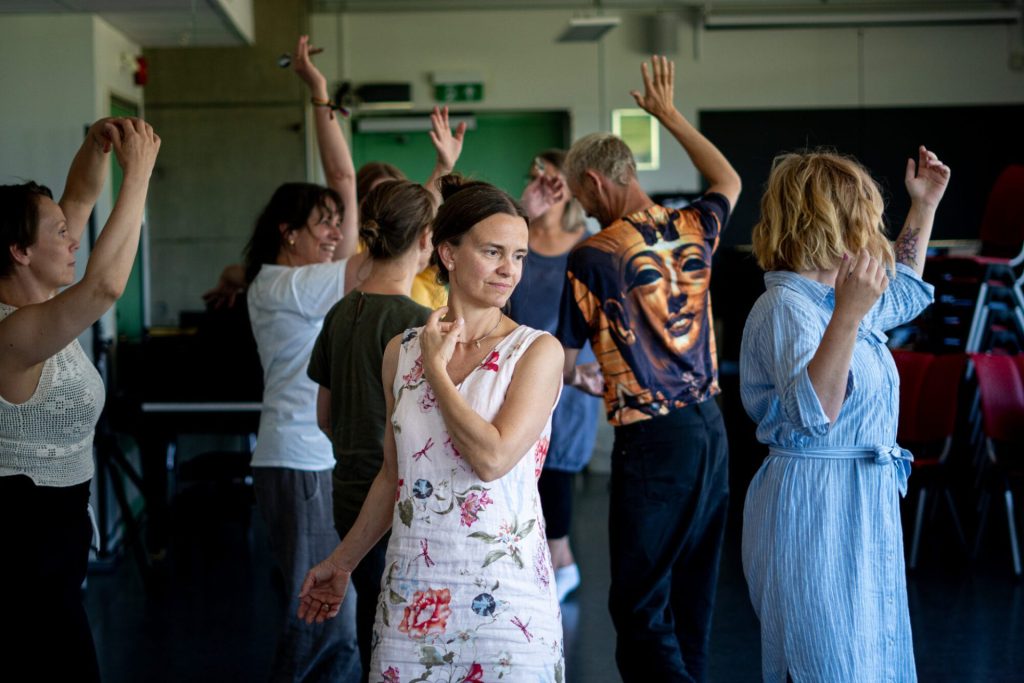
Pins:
x,y
34,333
326,583
925,188
448,146
86,176
657,100
493,448
339,170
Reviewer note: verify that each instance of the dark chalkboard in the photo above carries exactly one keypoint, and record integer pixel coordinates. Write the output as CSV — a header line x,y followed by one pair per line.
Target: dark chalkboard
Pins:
x,y
977,142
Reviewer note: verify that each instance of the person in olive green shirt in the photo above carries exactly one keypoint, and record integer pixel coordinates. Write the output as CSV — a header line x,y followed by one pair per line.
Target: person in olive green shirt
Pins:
x,y
346,363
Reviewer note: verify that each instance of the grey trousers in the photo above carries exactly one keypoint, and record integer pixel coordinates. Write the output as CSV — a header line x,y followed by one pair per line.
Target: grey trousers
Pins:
x,y
298,510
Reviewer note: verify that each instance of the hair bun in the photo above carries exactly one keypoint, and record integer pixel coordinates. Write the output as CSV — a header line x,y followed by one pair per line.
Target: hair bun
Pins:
x,y
453,183
369,233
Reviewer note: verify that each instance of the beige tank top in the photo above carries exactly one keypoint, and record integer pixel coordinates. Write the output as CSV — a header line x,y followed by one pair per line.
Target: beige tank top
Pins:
x,y
49,437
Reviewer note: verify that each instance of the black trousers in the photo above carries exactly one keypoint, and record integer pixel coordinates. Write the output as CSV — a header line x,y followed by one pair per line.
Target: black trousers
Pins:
x,y
669,501
44,631
555,489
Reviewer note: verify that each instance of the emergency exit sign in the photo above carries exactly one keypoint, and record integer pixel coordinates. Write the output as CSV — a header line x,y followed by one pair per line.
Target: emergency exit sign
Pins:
x,y
458,92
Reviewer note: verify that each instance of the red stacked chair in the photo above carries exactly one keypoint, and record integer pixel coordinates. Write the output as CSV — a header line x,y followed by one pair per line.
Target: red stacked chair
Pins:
x,y
929,393
1002,407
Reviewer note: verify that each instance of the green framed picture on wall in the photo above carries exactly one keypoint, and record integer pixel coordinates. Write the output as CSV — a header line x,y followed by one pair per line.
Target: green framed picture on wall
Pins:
x,y
640,131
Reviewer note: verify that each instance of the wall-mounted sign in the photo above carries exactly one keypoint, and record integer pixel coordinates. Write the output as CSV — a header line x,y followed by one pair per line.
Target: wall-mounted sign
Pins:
x,y
458,86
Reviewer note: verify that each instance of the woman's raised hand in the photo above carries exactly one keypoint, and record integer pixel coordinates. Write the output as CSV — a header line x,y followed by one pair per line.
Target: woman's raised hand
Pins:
x,y
859,283
322,592
100,135
135,145
928,184
447,144
304,68
437,342
541,194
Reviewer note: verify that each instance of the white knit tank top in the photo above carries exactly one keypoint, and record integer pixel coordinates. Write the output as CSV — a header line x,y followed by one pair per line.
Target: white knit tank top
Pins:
x,y
49,436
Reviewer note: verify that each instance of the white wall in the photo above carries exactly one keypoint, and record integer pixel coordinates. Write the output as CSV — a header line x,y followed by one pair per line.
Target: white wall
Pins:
x,y
47,81
59,72
753,69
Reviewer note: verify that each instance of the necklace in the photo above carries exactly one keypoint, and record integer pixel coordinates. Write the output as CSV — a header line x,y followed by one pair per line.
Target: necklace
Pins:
x,y
476,342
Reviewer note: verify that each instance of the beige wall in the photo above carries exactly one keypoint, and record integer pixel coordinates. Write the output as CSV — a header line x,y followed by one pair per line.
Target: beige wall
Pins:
x,y
232,129
753,69
59,72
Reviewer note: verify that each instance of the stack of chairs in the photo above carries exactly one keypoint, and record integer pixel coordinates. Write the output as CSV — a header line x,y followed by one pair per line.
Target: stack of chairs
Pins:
x,y
978,301
1000,460
976,330
929,397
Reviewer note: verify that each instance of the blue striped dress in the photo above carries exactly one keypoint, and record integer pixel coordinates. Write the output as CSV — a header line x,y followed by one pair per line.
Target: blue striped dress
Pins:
x,y
822,542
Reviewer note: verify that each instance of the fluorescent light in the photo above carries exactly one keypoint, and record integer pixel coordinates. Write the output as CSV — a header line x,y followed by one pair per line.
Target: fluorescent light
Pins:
x,y
588,29
407,124
841,19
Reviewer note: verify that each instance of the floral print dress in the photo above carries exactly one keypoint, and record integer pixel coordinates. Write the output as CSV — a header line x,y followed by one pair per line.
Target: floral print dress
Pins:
x,y
467,593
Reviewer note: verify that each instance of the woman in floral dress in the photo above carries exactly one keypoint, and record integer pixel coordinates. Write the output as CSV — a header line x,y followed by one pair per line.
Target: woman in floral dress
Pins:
x,y
467,593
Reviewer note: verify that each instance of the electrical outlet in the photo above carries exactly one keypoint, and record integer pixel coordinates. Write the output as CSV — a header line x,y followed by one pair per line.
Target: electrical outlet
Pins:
x,y
1017,60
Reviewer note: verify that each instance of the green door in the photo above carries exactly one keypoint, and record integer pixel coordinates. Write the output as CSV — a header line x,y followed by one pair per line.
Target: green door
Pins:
x,y
499,150
130,311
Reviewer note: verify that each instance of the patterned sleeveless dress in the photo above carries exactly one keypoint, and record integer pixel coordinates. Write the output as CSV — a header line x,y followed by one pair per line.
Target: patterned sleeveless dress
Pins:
x,y
467,593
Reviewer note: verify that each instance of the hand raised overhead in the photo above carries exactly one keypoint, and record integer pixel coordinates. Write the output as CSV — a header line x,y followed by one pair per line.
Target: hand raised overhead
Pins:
x,y
659,87
135,145
307,71
447,144
928,184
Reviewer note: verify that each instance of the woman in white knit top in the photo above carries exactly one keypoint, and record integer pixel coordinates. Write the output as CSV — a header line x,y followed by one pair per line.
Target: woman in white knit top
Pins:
x,y
51,395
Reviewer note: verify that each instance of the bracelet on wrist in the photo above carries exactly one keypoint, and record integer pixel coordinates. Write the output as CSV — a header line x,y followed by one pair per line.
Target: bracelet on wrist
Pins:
x,y
331,106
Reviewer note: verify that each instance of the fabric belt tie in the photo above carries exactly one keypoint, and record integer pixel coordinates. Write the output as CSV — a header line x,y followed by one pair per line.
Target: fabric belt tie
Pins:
x,y
898,457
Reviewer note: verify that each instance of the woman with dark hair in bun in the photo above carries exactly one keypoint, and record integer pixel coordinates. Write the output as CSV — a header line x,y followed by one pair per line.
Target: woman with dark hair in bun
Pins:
x,y
467,592
346,360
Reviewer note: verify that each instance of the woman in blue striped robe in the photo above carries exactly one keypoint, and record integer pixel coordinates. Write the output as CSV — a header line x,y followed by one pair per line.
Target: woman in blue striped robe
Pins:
x,y
822,542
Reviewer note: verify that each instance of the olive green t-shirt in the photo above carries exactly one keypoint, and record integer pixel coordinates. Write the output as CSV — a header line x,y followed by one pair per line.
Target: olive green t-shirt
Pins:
x,y
347,359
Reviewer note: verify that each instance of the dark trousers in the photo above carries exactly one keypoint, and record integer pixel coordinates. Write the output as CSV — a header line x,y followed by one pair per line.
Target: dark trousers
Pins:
x,y
555,489
44,631
297,507
669,500
366,579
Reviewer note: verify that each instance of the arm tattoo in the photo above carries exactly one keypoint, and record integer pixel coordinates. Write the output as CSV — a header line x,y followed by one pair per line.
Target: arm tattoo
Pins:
x,y
906,246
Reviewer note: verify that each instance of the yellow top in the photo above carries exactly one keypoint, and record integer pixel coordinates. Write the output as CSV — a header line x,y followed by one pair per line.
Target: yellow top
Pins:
x,y
426,291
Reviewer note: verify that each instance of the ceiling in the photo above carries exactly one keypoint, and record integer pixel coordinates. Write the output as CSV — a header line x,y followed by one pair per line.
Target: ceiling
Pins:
x,y
194,23
707,5
158,23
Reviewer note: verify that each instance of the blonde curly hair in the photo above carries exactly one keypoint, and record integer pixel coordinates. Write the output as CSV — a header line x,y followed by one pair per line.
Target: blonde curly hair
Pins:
x,y
818,206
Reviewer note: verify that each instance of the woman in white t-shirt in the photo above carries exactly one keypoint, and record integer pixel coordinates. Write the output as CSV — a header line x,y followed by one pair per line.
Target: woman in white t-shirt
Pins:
x,y
295,270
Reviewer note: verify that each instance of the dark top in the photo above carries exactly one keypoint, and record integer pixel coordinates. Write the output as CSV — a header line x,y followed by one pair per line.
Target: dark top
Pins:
x,y
638,290
347,359
535,303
